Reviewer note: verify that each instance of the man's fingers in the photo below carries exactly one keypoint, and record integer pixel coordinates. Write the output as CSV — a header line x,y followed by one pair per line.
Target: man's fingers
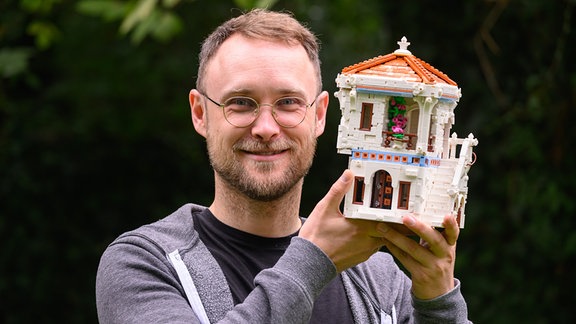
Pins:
x,y
339,189
452,229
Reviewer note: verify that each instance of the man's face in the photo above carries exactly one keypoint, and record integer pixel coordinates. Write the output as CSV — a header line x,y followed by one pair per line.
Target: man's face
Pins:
x,y
263,161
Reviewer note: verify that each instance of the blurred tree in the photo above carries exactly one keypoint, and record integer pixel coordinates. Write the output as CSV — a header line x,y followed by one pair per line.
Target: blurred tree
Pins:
x,y
149,17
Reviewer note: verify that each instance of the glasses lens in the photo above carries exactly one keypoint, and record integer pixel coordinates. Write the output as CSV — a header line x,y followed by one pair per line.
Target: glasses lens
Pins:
x,y
290,111
240,111
243,111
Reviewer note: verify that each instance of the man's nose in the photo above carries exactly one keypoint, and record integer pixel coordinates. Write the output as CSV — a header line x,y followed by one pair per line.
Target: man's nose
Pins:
x,y
265,126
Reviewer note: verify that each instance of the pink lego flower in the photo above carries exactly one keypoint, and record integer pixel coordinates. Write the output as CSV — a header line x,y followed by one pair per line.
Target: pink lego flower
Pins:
x,y
400,121
397,129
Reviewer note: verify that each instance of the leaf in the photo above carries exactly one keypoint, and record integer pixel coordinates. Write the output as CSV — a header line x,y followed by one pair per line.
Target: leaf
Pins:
x,y
250,4
244,4
14,61
143,10
38,6
45,33
143,28
170,3
265,3
109,10
167,26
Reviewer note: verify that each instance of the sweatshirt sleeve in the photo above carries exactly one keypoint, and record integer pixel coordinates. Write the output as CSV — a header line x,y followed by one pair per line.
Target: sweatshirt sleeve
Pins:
x,y
286,292
389,287
136,284
448,308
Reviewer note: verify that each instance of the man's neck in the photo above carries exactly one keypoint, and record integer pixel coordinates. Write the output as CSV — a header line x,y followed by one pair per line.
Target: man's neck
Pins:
x,y
275,218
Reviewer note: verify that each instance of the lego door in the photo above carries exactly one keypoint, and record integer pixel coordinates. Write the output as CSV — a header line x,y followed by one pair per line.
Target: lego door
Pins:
x,y
381,190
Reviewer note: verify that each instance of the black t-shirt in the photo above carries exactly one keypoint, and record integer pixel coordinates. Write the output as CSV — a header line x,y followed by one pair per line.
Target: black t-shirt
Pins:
x,y
242,256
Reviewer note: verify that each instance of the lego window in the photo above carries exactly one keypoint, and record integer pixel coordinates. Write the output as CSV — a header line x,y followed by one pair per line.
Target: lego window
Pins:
x,y
397,118
382,190
358,197
413,119
404,195
366,116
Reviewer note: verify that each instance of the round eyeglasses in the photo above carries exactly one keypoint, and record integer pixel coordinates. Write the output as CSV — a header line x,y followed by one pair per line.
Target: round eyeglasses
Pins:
x,y
242,111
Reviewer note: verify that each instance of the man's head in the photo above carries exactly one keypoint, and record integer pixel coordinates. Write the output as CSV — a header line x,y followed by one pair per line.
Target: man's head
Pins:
x,y
261,24
264,159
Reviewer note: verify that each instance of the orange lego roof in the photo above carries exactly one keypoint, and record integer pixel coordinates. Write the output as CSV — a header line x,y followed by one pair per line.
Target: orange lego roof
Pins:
x,y
402,65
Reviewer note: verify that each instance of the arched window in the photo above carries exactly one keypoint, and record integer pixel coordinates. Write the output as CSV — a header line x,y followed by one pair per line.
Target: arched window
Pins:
x,y
382,190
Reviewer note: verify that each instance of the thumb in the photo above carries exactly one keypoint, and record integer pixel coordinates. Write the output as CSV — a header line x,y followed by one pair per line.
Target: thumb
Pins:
x,y
339,189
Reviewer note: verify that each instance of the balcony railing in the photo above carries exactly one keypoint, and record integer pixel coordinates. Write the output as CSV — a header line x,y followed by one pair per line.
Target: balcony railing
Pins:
x,y
408,142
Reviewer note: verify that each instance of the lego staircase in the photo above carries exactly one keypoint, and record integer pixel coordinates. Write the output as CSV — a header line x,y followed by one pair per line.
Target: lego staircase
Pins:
x,y
438,200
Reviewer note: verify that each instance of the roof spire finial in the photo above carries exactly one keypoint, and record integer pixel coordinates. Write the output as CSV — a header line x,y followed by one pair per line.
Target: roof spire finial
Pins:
x,y
403,43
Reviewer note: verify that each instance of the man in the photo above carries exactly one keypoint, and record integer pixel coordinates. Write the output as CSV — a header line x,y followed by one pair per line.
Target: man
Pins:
x,y
249,257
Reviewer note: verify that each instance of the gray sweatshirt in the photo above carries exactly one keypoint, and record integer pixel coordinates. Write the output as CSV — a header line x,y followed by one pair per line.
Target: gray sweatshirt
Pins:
x,y
159,272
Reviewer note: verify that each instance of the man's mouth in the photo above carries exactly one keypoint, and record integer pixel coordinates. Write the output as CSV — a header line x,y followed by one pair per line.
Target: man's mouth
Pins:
x,y
261,151
265,152
264,155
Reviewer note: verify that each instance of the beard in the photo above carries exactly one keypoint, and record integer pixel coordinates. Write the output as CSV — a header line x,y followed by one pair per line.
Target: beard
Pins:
x,y
261,180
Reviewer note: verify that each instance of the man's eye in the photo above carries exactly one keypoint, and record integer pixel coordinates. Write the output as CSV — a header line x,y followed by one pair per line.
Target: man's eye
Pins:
x,y
290,104
240,105
241,102
289,101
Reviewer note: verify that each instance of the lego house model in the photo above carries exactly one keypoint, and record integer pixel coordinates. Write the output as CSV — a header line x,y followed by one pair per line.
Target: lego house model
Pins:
x,y
397,112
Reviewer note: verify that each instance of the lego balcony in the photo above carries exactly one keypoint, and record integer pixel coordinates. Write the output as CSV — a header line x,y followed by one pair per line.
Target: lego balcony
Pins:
x,y
408,142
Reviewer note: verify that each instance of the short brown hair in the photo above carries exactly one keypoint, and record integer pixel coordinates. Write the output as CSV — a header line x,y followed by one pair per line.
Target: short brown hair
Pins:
x,y
261,24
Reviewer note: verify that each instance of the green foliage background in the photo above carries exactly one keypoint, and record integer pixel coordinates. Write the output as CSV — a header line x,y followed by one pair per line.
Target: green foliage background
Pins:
x,y
96,138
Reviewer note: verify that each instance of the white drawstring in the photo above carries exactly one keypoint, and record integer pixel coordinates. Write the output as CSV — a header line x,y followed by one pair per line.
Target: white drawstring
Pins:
x,y
189,287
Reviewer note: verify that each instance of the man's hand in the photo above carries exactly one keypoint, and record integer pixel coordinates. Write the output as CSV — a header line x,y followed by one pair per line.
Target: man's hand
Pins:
x,y
347,242
430,262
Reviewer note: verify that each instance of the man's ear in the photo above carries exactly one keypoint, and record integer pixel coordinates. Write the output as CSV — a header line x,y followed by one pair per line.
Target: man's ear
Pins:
x,y
197,111
320,113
